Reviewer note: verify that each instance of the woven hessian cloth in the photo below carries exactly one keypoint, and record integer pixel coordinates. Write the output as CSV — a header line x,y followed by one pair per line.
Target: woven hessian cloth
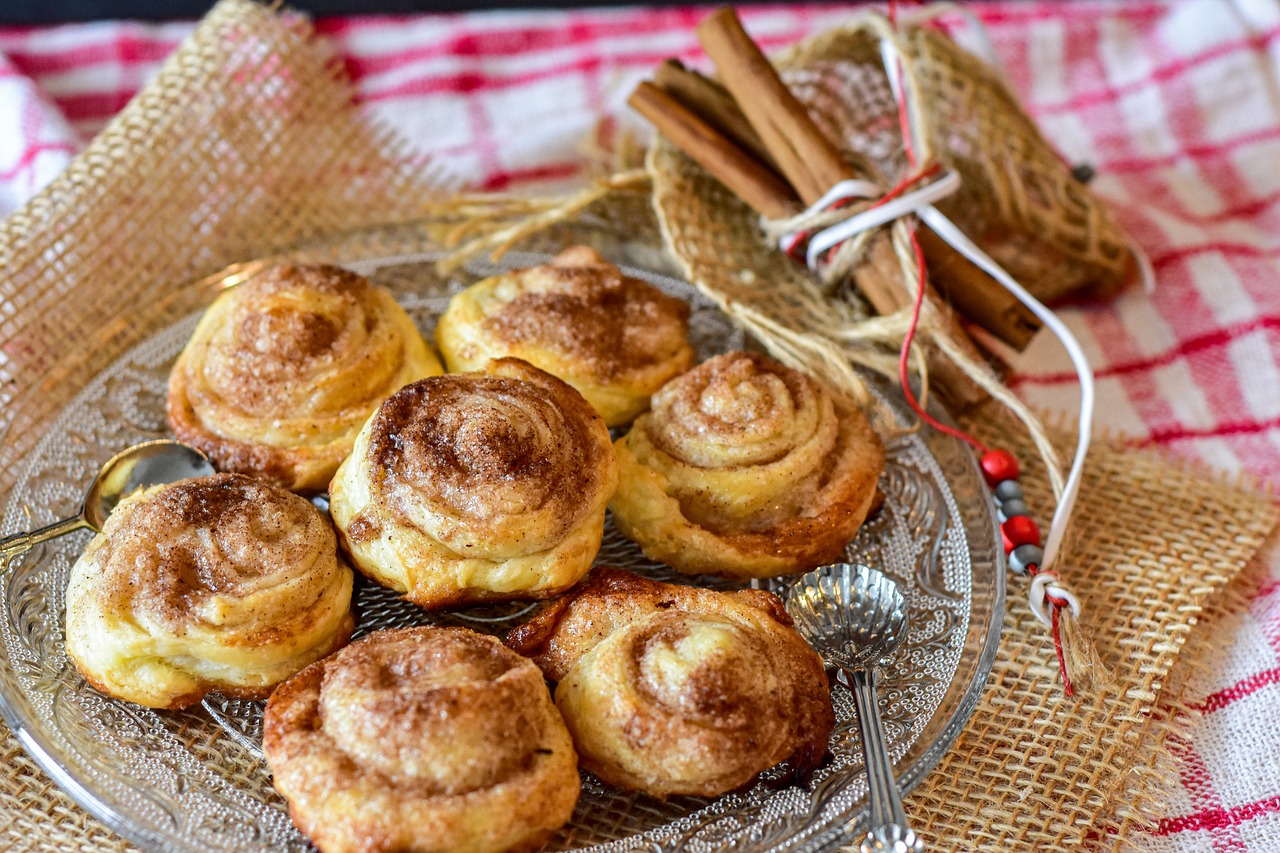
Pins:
x,y
248,144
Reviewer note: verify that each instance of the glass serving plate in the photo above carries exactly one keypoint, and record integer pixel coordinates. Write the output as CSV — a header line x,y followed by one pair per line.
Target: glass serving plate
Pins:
x,y
196,780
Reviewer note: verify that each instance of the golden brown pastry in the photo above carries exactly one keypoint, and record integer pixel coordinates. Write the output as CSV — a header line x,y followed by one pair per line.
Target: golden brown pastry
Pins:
x,y
677,690
283,370
747,469
421,739
477,486
222,583
614,338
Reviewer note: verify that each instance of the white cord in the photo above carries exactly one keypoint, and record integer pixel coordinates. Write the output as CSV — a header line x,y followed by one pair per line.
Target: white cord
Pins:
x,y
947,230
849,188
873,217
1046,583
918,202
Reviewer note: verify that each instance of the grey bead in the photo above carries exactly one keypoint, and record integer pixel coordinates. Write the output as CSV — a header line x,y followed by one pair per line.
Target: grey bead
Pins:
x,y
1013,507
1023,556
1008,490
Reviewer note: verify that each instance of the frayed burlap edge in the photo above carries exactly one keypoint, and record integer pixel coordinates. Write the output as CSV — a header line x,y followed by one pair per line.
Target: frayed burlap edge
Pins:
x,y
1142,816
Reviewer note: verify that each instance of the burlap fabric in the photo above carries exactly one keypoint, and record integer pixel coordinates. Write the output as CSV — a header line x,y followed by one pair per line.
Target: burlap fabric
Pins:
x,y
1017,198
1151,548
247,144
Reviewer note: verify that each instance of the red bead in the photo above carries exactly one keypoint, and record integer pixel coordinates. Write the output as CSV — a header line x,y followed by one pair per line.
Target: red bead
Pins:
x,y
1019,530
997,466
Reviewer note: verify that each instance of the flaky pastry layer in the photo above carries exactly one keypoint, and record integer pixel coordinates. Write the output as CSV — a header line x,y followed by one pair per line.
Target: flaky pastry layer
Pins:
x,y
477,486
283,370
676,690
421,739
616,339
746,469
219,583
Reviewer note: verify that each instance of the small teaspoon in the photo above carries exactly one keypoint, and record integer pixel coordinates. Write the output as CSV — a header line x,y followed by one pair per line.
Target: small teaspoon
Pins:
x,y
151,463
856,617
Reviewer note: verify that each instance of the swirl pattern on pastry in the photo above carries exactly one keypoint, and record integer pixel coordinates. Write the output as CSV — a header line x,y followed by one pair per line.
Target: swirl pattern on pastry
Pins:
x,y
477,486
222,583
421,739
677,690
283,369
745,468
615,338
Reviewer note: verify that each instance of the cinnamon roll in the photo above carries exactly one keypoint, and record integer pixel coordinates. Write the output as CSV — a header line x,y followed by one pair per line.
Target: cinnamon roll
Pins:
x,y
476,486
614,338
745,468
421,739
676,690
283,370
222,583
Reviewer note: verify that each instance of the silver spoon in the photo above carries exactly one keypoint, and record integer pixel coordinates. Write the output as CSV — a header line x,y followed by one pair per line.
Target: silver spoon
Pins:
x,y
151,463
856,617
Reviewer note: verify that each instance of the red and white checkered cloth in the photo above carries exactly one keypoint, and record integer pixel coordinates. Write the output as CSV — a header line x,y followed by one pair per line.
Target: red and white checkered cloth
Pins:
x,y
1176,105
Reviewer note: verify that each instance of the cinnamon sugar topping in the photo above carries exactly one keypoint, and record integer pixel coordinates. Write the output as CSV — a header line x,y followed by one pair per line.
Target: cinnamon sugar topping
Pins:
x,y
292,335
612,324
205,537
487,447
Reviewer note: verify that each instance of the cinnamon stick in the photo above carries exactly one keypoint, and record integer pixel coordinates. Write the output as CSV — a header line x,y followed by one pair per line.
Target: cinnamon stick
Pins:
x,y
813,165
804,155
965,285
810,162
752,182
713,103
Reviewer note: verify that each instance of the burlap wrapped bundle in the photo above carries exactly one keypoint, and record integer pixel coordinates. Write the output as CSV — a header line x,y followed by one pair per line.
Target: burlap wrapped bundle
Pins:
x,y
1018,200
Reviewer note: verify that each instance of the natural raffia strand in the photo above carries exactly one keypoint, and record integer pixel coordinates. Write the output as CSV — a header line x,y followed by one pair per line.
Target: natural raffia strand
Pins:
x,y
1030,771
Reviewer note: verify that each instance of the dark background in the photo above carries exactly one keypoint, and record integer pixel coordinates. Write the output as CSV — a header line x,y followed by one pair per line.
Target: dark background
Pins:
x,y
55,11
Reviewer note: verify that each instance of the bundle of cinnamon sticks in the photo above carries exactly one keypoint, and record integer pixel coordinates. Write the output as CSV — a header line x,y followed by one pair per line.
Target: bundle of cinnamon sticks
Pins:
x,y
752,134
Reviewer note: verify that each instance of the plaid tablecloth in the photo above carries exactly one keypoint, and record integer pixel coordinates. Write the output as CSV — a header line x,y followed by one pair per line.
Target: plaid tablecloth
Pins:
x,y
1177,106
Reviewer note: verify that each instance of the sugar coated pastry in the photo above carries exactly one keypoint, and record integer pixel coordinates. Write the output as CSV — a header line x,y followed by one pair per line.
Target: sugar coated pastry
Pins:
x,y
222,583
745,468
676,690
475,486
421,739
283,370
615,338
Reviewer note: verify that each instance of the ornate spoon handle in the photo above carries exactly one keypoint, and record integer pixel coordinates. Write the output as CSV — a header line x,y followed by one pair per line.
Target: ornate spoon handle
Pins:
x,y
20,543
889,832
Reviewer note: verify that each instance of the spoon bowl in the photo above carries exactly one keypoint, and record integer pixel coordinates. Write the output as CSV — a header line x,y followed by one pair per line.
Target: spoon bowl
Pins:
x,y
852,614
151,463
856,617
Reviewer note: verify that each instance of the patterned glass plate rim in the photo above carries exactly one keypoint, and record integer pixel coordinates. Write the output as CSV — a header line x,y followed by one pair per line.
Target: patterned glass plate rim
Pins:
x,y
195,780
